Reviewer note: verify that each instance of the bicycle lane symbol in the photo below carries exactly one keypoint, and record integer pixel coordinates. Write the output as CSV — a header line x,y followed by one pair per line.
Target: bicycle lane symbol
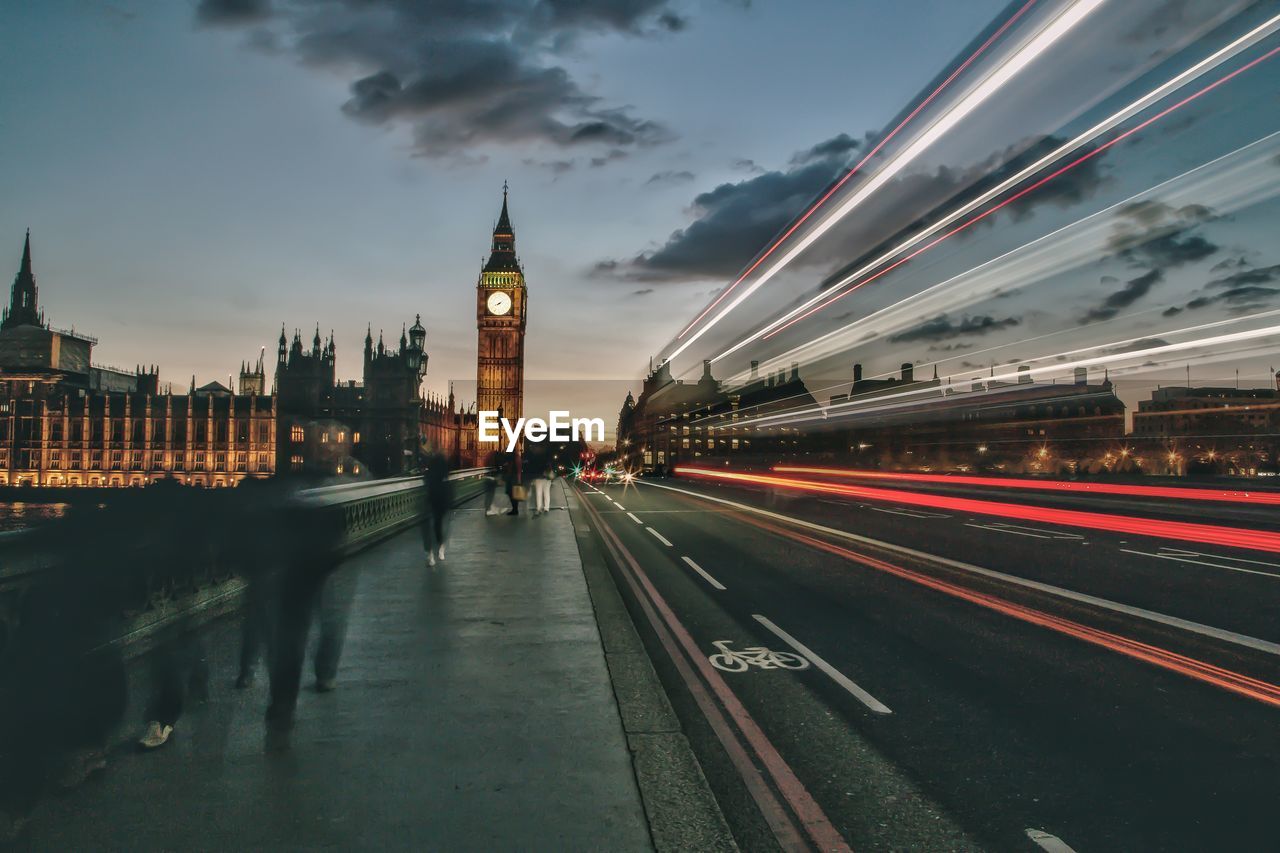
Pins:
x,y
730,660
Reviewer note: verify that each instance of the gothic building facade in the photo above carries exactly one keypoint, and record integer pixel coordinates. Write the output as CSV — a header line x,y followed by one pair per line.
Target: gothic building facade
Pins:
x,y
67,422
372,427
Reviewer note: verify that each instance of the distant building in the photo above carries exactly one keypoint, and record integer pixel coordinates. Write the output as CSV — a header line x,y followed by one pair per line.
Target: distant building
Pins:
x,y
1210,429
67,422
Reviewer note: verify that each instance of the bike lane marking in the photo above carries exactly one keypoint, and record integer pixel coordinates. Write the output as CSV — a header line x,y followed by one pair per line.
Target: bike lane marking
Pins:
x,y
664,540
836,675
703,572
675,637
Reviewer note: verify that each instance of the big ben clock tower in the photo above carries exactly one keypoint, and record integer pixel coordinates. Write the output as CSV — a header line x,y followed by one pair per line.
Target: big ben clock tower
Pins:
x,y
501,316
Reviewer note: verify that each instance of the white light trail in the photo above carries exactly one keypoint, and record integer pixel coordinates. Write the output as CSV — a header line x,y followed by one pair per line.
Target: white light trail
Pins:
x,y
992,83
1192,73
1231,182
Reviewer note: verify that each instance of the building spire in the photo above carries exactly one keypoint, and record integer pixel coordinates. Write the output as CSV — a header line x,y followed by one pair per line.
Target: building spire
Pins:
x,y
23,307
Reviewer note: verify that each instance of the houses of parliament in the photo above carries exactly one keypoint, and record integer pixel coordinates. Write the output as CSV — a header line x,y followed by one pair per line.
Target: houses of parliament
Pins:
x,y
65,421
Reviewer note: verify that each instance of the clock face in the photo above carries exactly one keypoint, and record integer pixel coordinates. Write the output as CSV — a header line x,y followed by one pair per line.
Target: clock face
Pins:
x,y
499,303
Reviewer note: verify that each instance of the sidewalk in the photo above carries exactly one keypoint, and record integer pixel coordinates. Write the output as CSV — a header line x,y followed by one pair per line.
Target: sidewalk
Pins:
x,y
474,711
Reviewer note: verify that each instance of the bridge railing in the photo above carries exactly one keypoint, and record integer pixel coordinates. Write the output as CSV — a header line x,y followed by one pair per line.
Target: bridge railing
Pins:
x,y
197,575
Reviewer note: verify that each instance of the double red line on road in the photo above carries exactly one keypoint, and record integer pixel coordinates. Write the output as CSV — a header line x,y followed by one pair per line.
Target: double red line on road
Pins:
x,y
686,656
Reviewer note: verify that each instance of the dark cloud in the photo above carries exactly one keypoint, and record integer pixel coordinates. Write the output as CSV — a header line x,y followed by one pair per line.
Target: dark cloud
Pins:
x,y
751,167
644,291
836,147
1133,290
1154,234
463,73
941,328
232,12
555,167
1241,292
669,178
1145,343
736,219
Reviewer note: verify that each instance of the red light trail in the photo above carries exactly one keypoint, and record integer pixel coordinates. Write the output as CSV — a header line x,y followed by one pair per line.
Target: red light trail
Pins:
x,y
1026,190
1221,495
1183,531
1217,676
823,200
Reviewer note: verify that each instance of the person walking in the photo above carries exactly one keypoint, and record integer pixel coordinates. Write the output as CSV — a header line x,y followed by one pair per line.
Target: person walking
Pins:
x,y
515,487
494,464
435,477
544,473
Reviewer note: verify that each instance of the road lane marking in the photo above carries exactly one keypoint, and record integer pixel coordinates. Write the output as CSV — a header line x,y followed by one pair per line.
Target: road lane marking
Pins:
x,y
1182,559
704,574
836,675
675,638
620,506
1049,843
1033,532
907,513
1218,557
1071,595
633,517
664,540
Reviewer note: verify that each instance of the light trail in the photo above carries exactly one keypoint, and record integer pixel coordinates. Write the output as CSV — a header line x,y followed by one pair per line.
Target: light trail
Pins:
x,y
1195,71
992,83
1182,531
877,403
1229,680
1027,190
1227,183
1188,494
823,200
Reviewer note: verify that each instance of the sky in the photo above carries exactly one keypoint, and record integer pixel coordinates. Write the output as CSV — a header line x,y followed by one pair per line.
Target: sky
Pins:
x,y
195,175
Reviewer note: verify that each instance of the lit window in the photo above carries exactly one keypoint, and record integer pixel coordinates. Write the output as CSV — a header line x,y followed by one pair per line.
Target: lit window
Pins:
x,y
296,434
295,462
339,467
324,437
355,437
342,436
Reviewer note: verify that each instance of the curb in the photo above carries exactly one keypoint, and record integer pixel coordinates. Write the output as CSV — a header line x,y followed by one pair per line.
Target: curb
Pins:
x,y
681,810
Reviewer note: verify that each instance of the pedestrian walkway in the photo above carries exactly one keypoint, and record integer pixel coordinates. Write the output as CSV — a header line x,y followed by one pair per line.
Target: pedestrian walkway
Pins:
x,y
473,712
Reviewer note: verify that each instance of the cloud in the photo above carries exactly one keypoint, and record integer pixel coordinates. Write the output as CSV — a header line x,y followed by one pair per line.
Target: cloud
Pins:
x,y
1145,343
734,220
1241,292
1133,290
941,328
669,178
644,291
463,73
555,167
1155,234
232,12
751,167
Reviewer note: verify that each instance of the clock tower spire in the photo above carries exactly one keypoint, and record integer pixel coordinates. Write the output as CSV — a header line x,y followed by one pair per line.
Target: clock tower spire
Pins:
x,y
501,317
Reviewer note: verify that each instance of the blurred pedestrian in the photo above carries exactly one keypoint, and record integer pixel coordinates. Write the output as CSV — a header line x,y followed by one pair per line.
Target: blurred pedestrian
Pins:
x,y
544,473
439,494
515,486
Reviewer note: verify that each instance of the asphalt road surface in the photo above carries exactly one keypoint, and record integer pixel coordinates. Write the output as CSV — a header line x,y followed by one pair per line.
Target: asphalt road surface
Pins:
x,y
889,676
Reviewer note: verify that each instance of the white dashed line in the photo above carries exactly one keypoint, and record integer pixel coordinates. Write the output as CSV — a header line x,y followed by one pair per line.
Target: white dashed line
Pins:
x,y
704,574
664,540
1051,843
620,506
632,516
836,675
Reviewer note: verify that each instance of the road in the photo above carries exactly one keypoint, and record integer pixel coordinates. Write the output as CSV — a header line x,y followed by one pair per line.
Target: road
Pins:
x,y
967,681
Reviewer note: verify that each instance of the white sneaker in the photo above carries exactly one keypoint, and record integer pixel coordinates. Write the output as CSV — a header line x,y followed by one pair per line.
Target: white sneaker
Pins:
x,y
155,735
431,558
441,553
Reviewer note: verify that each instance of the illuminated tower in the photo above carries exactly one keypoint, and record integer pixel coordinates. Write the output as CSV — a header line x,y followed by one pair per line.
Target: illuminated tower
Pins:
x,y
501,316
